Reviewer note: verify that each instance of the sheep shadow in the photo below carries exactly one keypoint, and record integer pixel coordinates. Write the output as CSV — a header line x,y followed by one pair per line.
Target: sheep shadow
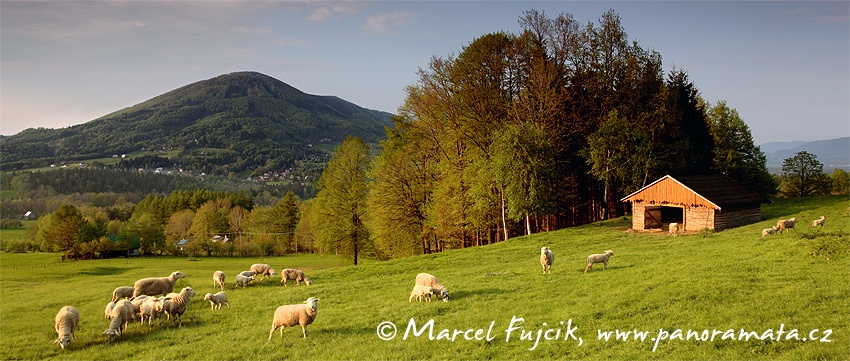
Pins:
x,y
105,271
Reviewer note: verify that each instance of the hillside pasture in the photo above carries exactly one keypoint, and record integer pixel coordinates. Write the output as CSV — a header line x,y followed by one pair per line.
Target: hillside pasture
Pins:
x,y
655,284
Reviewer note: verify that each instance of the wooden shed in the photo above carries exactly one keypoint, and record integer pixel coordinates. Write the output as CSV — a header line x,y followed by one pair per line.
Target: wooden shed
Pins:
x,y
695,202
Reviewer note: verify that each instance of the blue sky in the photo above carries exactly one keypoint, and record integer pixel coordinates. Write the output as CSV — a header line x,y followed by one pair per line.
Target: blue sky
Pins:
x,y
785,66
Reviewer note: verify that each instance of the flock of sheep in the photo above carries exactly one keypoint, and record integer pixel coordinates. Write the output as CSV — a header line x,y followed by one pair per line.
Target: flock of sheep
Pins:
x,y
141,299
787,224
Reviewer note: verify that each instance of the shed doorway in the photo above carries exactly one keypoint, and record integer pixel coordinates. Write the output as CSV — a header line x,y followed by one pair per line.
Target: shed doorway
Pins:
x,y
660,217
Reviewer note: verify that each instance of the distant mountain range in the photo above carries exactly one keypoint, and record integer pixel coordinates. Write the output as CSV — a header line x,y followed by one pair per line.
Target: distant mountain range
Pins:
x,y
228,124
832,153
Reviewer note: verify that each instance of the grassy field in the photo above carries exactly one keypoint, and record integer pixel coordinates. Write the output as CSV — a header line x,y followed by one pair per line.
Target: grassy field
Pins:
x,y
789,293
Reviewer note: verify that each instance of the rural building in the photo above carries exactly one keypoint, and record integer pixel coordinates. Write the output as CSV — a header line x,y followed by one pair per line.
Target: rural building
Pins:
x,y
695,202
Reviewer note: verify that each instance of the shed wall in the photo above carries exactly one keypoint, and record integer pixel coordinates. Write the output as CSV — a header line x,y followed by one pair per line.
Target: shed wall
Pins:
x,y
731,219
699,218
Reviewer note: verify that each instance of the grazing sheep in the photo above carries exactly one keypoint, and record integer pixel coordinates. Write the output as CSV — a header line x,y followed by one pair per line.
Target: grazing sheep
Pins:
x,y
674,228
242,280
424,279
818,222
108,311
218,279
65,322
156,286
263,269
598,258
248,273
137,304
547,258
290,315
122,292
175,304
294,274
152,308
786,224
420,292
121,316
216,300
768,231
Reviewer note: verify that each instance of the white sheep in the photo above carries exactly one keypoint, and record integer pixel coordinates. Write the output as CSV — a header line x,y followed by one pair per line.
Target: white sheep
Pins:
x,y
290,315
786,224
152,308
263,269
547,258
176,303
108,311
137,304
598,258
156,285
424,279
248,273
674,228
768,231
64,323
818,222
122,292
420,292
242,280
121,316
294,274
216,300
218,279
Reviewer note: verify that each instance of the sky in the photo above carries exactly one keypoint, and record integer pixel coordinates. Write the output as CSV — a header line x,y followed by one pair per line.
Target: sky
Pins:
x,y
784,66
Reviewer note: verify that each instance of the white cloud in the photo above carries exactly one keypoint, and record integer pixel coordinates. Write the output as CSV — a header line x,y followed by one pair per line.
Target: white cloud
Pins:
x,y
334,9
388,23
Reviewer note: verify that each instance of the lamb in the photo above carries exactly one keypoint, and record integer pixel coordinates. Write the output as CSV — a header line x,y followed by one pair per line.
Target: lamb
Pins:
x,y
420,292
768,231
218,279
122,292
547,258
137,304
156,286
674,228
216,300
248,273
263,269
786,224
294,274
175,304
65,322
243,281
818,222
108,311
290,315
424,279
121,316
152,308
598,258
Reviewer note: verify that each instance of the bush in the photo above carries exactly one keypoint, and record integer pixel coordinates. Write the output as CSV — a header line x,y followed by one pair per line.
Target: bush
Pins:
x,y
18,246
11,224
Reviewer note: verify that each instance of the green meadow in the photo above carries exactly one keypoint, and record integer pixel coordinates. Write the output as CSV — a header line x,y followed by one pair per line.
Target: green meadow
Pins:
x,y
728,295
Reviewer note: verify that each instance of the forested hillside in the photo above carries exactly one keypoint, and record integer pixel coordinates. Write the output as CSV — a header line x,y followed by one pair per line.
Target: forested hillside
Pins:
x,y
225,125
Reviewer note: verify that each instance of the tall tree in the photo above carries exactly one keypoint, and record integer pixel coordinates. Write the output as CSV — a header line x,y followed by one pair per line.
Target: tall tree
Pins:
x,y
62,230
618,154
210,220
287,219
735,154
522,158
803,176
402,179
692,147
341,200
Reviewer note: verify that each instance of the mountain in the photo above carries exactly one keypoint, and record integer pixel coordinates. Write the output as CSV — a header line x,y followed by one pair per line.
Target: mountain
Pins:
x,y
832,153
228,124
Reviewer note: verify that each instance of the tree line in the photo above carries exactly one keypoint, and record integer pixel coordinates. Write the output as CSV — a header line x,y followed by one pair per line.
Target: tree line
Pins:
x,y
517,134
